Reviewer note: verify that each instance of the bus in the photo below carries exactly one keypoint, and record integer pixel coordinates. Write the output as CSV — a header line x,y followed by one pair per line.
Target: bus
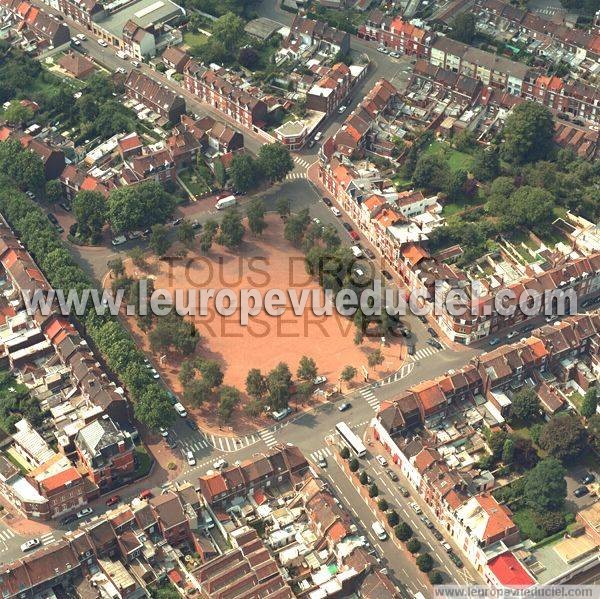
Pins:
x,y
351,439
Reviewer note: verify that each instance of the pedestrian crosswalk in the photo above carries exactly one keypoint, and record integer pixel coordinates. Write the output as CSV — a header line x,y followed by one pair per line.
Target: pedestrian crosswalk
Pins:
x,y
369,397
295,175
301,162
402,373
549,11
6,534
47,538
195,444
324,452
268,436
225,444
424,353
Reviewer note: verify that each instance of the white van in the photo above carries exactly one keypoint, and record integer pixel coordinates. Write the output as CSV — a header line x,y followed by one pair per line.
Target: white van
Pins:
x,y
225,202
180,409
356,251
119,240
122,55
379,531
281,414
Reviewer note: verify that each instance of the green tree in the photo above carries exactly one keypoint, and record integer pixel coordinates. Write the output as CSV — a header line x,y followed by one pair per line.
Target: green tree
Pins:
x,y
375,358
348,373
296,225
594,430
465,141
383,505
185,233
373,491
89,208
229,397
564,437
228,30
153,408
526,405
486,164
545,485
353,465
138,256
159,239
196,392
413,545
244,172
508,452
17,114
282,205
436,577
456,185
54,191
431,172
211,372
403,531
393,518
279,381
528,206
275,161
424,562
528,133
256,216
231,232
363,478
219,171
344,452
116,266
307,369
256,385
463,27
589,403
187,372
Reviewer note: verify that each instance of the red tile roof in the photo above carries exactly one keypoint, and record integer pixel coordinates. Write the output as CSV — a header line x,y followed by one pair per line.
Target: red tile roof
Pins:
x,y
509,571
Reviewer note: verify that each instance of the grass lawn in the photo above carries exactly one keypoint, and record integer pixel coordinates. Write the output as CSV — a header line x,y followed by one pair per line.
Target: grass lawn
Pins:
x,y
143,462
466,201
196,184
577,399
193,40
402,184
456,160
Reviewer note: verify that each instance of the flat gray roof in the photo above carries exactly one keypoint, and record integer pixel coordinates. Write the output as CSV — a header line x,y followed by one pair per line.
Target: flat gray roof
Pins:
x,y
262,27
143,13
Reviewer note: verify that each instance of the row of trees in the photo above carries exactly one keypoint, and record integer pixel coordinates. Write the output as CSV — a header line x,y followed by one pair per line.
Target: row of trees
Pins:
x,y
150,401
272,164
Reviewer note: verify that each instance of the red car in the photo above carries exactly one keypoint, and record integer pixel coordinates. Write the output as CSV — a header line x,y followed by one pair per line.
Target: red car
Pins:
x,y
147,494
112,500
354,235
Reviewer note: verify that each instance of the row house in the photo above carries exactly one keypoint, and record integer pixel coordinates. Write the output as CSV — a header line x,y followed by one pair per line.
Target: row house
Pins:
x,y
237,104
463,89
155,96
137,41
175,59
106,452
171,518
281,465
331,89
159,166
46,27
80,11
398,35
318,34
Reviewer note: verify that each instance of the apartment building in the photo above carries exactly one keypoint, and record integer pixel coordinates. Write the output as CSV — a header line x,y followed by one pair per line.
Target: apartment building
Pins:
x,y
242,107
396,34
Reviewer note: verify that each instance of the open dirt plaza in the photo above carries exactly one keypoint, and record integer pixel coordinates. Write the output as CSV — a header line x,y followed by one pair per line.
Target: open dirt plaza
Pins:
x,y
263,263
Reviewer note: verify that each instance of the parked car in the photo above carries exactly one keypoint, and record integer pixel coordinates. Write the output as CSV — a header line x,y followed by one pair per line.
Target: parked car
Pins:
x,y
146,494
437,534
410,349
588,478
154,373
119,240
177,222
66,207
494,341
416,509
394,55
527,328
456,560
81,37
135,63
344,406
347,226
422,318
52,218
86,511
189,456
434,343
68,519
163,432
113,500
447,547
180,409
219,464
171,442
342,109
191,424
31,544
335,211
355,236
327,202
369,253
404,492
75,41
393,476
196,224
381,460
318,135
379,531
581,491
319,380
432,332
102,43
386,275
512,334
426,521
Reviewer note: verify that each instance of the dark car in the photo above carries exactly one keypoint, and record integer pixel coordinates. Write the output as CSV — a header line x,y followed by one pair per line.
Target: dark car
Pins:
x,y
410,349
65,206
404,492
393,476
172,443
432,332
527,328
494,341
68,519
422,318
437,534
327,202
581,491
405,332
354,235
113,500
369,253
588,478
196,224
52,218
347,226
386,274
434,343
457,561
191,424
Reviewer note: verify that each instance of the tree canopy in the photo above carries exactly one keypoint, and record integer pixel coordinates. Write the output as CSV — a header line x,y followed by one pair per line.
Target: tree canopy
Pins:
x,y
528,133
89,209
564,437
545,485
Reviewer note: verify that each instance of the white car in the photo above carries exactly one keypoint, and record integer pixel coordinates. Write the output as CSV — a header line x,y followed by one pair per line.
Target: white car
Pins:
x,y
135,63
154,373
319,380
191,460
119,240
381,460
102,43
163,432
512,334
220,464
415,508
379,531
31,544
342,109
86,511
75,41
180,409
336,211
394,55
81,37
318,135
121,70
